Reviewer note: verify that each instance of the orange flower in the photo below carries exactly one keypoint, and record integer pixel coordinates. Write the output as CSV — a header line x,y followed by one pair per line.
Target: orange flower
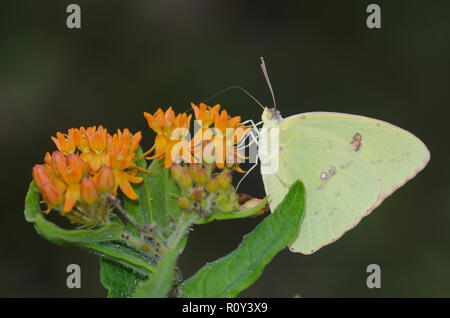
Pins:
x,y
89,191
104,179
171,131
66,143
89,166
93,143
41,175
220,141
71,170
121,158
206,114
224,121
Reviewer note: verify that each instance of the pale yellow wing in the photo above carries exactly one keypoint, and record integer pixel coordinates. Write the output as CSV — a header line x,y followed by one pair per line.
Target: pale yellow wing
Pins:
x,y
348,164
395,154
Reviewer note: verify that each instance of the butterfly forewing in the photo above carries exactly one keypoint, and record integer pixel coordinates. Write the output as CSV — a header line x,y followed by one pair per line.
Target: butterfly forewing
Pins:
x,y
394,153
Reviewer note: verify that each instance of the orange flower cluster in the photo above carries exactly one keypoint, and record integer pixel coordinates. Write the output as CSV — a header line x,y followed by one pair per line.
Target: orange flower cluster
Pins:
x,y
217,137
90,165
171,131
221,140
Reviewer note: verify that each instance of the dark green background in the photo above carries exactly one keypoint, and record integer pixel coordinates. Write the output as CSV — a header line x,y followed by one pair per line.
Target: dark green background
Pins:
x,y
135,56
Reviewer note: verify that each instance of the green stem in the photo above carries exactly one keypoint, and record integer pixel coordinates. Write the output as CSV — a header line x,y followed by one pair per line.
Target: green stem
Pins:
x,y
186,220
137,244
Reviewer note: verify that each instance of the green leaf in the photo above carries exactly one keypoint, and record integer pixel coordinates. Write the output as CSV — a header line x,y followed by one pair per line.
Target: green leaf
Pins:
x,y
232,215
125,256
120,281
160,283
126,262
60,236
32,207
103,240
158,195
164,193
231,274
140,209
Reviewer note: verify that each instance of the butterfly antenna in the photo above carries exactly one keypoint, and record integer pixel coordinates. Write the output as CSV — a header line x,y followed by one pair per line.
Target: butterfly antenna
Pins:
x,y
235,87
266,75
227,89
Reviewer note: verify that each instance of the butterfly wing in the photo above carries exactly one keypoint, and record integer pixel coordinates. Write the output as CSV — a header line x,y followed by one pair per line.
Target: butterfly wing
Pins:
x,y
346,168
393,153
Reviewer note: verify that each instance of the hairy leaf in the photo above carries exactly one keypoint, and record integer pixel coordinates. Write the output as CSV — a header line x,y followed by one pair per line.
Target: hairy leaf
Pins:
x,y
60,236
231,274
160,283
120,281
164,193
232,215
140,209
32,207
124,256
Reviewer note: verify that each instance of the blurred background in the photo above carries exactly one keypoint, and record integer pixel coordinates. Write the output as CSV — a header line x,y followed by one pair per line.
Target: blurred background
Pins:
x,y
134,56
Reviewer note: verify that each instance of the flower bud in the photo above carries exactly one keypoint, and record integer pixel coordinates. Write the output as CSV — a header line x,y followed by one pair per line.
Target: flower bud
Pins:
x,y
59,163
41,175
226,207
222,198
224,180
88,191
198,173
52,196
184,203
185,179
105,179
196,195
176,170
211,185
48,159
227,202
252,203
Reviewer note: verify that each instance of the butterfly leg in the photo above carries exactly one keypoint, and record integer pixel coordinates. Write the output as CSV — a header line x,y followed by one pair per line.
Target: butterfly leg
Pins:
x,y
252,123
256,163
254,140
256,131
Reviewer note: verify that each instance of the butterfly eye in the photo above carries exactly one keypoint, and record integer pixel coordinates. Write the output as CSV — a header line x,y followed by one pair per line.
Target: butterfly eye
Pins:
x,y
275,114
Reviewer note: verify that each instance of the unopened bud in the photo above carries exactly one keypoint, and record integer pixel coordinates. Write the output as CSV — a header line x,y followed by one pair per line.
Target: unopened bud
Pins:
x,y
222,198
227,202
196,195
185,179
59,163
105,179
252,203
52,196
184,203
41,175
211,185
176,170
227,207
224,180
198,173
88,191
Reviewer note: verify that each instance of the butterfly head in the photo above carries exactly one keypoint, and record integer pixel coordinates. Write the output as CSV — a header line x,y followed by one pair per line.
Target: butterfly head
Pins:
x,y
271,117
